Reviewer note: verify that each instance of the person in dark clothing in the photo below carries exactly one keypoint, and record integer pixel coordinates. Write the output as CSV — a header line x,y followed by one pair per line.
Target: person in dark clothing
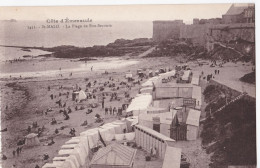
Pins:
x,y
106,111
29,129
103,103
37,166
13,153
18,151
69,110
110,110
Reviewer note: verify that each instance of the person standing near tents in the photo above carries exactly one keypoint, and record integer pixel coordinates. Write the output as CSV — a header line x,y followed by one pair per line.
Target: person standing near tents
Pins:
x,y
110,110
103,103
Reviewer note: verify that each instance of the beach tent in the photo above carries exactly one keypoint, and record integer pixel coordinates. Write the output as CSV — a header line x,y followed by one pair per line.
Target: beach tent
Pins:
x,y
122,125
186,75
148,138
82,95
92,136
128,75
119,137
155,110
151,82
172,158
130,121
116,127
167,74
77,152
130,136
32,140
107,133
53,165
69,161
147,90
114,155
192,122
139,104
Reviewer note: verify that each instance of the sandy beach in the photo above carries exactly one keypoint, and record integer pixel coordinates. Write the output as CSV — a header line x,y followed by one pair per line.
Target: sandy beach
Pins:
x,y
28,99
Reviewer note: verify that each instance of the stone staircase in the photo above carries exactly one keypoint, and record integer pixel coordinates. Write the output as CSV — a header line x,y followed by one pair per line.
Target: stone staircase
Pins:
x,y
227,104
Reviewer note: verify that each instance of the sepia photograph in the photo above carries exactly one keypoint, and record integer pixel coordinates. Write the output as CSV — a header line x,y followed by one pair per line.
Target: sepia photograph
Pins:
x,y
128,86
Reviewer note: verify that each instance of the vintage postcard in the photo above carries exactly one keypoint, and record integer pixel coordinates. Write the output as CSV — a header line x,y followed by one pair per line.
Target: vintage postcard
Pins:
x,y
128,86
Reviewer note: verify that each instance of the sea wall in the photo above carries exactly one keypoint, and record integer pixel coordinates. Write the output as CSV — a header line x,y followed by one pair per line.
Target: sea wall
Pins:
x,y
203,34
229,32
163,30
233,93
197,33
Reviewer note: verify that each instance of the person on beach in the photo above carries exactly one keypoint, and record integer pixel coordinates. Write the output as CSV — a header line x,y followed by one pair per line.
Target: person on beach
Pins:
x,y
13,153
91,68
18,151
29,129
106,111
110,110
103,103
114,110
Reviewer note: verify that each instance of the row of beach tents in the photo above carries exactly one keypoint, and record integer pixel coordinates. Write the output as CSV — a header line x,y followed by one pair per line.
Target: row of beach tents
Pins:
x,y
75,152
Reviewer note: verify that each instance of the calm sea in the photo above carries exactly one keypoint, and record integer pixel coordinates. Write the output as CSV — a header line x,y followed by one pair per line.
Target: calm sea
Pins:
x,y
19,34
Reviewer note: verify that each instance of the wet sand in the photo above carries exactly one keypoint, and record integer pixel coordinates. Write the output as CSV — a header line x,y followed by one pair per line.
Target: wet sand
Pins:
x,y
27,97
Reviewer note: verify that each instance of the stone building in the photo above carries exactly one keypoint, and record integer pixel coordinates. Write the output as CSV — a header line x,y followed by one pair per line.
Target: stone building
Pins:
x,y
239,13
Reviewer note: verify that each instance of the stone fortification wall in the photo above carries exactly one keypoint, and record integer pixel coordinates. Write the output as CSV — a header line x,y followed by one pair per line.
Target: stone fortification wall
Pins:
x,y
203,34
163,30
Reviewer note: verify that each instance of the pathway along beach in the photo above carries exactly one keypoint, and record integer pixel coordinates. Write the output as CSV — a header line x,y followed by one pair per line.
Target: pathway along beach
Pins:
x,y
25,101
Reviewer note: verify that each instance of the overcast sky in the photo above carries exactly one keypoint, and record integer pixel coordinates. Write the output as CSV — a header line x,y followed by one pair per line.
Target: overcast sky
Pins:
x,y
126,13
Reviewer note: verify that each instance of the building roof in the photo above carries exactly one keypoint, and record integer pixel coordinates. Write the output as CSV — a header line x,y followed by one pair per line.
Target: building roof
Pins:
x,y
154,133
237,9
165,118
115,154
193,117
172,157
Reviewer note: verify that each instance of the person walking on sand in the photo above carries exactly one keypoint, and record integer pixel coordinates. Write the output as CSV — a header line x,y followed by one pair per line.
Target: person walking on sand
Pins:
x,y
91,68
13,153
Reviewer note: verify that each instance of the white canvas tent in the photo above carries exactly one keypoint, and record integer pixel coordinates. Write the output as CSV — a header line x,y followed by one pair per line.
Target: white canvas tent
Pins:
x,y
186,75
139,104
151,82
69,161
32,140
128,75
53,165
147,90
148,138
167,74
82,95
172,158
193,124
